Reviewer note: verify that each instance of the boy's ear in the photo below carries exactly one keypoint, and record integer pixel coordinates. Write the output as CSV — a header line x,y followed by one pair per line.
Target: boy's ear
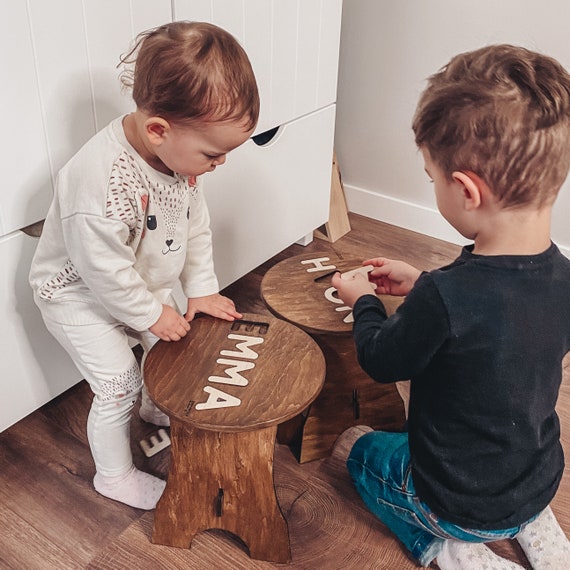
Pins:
x,y
473,188
156,130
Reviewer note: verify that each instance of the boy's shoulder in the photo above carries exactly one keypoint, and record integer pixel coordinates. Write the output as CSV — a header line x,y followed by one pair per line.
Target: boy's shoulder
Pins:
x,y
478,275
468,261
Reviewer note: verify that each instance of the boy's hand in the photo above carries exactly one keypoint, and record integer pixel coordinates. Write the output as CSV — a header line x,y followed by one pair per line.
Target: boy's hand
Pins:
x,y
170,325
216,305
350,290
392,277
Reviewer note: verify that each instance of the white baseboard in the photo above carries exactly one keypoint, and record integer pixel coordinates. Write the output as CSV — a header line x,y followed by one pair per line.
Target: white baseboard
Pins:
x,y
408,215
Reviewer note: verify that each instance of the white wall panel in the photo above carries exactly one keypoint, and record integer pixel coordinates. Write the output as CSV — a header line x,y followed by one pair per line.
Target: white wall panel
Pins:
x,y
229,14
110,27
146,15
293,48
331,15
63,77
195,10
308,55
258,27
284,61
26,185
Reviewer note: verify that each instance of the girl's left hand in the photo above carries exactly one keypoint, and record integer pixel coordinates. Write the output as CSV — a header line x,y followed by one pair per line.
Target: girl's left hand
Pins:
x,y
215,305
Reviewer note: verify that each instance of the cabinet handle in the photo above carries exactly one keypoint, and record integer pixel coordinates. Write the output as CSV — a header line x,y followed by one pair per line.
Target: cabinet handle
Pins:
x,y
34,230
264,138
220,503
356,403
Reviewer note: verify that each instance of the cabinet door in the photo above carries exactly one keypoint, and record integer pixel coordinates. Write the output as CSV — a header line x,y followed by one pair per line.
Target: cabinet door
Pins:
x,y
292,44
111,26
63,80
26,185
78,46
34,367
266,197
59,60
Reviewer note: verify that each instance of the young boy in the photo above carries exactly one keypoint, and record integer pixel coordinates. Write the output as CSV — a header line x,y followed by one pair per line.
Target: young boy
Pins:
x,y
129,220
482,339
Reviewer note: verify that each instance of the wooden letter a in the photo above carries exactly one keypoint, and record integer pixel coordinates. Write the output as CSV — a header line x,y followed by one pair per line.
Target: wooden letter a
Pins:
x,y
217,399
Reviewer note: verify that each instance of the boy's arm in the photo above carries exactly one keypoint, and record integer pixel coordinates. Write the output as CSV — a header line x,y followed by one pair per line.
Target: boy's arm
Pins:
x,y
400,347
387,277
392,277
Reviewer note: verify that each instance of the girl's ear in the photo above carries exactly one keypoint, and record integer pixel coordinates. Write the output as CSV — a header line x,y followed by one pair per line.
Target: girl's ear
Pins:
x,y
156,130
473,188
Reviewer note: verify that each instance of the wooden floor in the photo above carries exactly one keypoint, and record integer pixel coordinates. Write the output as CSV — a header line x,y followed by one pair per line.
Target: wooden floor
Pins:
x,y
51,518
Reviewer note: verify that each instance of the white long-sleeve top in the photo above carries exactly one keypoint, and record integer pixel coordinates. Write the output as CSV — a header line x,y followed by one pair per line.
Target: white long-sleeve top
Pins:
x,y
121,234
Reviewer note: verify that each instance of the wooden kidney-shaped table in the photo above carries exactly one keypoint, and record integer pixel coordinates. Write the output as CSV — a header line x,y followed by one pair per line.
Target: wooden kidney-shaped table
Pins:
x,y
299,290
226,386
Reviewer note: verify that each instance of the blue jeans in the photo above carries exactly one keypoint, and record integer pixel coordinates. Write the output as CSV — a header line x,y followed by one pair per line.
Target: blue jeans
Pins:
x,y
379,465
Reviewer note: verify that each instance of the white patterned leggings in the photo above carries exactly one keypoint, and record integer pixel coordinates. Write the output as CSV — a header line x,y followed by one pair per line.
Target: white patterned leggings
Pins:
x,y
100,349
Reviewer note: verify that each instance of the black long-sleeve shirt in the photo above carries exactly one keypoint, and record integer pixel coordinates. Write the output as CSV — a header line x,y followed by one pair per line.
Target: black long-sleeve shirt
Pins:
x,y
482,341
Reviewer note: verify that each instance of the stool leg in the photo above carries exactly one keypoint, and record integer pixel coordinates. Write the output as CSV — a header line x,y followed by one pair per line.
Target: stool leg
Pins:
x,y
222,480
335,409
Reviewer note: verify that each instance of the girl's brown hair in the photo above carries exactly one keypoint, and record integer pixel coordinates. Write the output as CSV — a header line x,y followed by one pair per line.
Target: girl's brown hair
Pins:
x,y
502,112
191,71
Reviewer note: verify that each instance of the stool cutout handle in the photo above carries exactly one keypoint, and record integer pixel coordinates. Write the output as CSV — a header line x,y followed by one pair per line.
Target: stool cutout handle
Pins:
x,y
219,502
356,403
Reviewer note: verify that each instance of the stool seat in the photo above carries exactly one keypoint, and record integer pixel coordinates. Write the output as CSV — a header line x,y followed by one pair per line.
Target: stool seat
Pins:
x,y
299,290
225,387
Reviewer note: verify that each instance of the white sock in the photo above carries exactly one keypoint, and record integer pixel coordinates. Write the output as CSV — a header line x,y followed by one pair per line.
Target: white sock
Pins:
x,y
457,555
150,413
135,488
544,543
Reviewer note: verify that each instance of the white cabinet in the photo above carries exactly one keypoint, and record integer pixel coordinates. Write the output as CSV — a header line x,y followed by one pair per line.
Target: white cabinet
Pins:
x,y
292,44
60,86
61,59
34,367
26,184
267,197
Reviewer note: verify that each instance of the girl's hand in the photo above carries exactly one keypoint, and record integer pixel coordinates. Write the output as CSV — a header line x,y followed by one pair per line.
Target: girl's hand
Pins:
x,y
392,277
170,325
216,305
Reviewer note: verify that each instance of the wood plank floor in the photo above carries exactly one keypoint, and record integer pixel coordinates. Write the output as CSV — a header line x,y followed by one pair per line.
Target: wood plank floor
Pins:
x,y
51,518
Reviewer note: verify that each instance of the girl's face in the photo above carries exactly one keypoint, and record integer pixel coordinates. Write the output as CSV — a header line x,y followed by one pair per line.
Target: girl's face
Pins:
x,y
194,150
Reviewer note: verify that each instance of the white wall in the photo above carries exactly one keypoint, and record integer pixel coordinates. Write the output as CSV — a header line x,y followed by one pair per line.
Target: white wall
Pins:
x,y
388,49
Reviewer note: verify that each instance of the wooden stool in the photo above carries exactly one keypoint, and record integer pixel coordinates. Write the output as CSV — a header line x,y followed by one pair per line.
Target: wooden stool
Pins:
x,y
226,386
299,290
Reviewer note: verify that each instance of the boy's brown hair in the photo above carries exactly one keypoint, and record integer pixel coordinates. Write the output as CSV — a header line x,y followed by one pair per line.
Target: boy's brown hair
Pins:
x,y
503,113
191,71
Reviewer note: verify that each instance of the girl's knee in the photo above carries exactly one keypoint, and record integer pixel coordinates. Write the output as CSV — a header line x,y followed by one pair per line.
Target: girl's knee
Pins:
x,y
123,387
